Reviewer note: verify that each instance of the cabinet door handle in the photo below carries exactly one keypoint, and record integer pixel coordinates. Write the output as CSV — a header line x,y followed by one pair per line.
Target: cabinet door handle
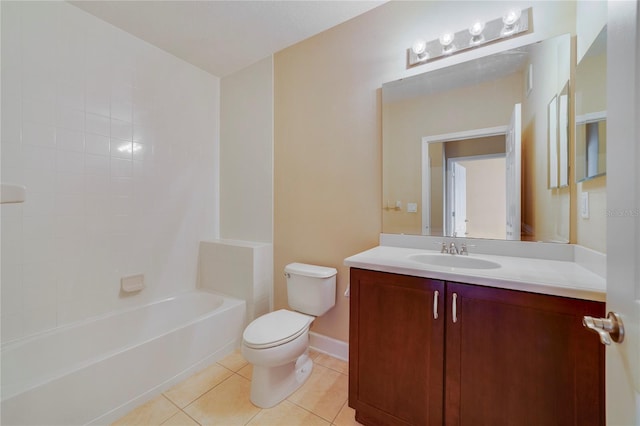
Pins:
x,y
435,304
454,308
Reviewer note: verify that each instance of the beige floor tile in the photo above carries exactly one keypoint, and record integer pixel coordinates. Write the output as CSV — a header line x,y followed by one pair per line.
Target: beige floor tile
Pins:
x,y
333,363
227,404
313,354
180,419
246,371
195,386
346,417
324,393
234,361
154,412
287,413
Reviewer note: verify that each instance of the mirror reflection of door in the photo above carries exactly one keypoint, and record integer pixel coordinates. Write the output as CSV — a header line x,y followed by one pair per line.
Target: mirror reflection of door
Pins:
x,y
458,173
513,174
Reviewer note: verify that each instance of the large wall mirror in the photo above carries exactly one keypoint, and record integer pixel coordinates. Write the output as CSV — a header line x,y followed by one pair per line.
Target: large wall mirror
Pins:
x,y
466,148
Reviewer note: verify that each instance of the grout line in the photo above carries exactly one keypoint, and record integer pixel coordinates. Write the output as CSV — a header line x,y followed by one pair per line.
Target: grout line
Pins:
x,y
172,403
254,416
340,411
306,409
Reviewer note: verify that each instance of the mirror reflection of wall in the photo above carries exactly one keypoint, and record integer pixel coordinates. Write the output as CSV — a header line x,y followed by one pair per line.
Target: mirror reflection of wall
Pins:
x,y
591,111
591,139
471,96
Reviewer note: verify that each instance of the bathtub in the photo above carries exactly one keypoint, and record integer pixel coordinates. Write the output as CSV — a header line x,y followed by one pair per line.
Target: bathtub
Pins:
x,y
95,371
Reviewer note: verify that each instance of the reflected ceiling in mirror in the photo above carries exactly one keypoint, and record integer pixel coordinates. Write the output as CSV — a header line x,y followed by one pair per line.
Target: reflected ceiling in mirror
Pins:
x,y
468,102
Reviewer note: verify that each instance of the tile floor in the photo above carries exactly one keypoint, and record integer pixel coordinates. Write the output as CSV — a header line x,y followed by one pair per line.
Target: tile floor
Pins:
x,y
219,395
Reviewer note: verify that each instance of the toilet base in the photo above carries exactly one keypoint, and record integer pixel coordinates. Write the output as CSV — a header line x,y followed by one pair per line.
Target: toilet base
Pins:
x,y
272,385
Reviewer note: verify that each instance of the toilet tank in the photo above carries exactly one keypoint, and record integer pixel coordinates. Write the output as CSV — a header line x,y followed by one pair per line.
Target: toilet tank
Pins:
x,y
311,289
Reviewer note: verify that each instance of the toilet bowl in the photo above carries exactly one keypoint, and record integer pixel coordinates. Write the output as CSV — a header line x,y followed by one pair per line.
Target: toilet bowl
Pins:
x,y
277,344
279,355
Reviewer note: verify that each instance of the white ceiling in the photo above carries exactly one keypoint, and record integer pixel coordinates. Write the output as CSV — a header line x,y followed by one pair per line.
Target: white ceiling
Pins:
x,y
224,36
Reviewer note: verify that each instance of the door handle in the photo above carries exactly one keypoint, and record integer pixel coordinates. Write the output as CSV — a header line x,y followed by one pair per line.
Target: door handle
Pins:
x,y
435,304
609,328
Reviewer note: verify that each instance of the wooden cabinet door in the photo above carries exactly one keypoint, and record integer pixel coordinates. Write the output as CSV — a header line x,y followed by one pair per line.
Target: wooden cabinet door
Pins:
x,y
516,358
396,349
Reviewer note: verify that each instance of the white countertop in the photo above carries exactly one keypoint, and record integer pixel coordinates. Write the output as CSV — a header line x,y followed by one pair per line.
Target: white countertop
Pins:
x,y
552,277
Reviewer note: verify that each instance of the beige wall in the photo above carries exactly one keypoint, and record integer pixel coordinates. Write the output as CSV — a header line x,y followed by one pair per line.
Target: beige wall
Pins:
x,y
327,132
545,211
246,149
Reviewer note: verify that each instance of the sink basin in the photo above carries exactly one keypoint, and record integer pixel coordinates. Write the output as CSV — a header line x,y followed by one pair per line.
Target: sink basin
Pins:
x,y
454,261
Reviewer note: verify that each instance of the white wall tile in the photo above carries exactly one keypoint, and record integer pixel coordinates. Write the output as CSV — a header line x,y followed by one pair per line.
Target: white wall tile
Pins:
x,y
69,118
38,111
121,129
97,124
39,158
39,181
12,327
69,184
12,290
97,100
70,161
96,165
38,134
71,140
121,148
121,167
80,88
71,95
38,83
96,144
39,203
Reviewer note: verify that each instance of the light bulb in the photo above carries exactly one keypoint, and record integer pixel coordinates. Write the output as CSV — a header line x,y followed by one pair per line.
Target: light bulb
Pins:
x,y
446,39
511,17
419,46
476,29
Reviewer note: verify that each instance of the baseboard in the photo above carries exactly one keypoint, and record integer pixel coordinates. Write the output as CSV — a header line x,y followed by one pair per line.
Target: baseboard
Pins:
x,y
328,345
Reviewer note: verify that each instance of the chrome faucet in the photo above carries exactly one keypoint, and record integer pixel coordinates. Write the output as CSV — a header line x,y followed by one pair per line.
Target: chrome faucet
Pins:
x,y
452,248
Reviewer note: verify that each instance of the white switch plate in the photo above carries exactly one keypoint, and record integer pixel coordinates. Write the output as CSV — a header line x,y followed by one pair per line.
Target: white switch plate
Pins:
x,y
584,205
412,207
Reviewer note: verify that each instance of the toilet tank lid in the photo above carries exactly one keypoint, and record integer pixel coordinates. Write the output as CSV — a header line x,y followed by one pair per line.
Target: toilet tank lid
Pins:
x,y
310,270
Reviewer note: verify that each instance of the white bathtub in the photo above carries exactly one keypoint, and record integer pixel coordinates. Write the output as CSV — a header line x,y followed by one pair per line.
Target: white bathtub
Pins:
x,y
98,370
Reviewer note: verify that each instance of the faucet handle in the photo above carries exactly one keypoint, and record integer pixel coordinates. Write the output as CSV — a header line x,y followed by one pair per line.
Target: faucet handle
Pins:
x,y
464,249
443,248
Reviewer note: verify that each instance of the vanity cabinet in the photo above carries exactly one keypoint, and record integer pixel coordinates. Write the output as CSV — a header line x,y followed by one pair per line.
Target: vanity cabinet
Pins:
x,y
470,355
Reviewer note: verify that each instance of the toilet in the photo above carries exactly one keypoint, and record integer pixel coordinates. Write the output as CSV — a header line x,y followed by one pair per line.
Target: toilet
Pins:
x,y
277,344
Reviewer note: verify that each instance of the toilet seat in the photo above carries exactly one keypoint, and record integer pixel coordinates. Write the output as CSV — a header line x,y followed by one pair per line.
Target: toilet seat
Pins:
x,y
276,328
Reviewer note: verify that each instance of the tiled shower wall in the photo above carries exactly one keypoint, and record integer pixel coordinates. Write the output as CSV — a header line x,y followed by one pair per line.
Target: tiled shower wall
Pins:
x,y
117,144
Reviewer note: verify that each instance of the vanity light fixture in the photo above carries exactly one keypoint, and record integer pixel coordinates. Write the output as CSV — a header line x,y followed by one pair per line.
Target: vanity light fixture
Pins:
x,y
478,34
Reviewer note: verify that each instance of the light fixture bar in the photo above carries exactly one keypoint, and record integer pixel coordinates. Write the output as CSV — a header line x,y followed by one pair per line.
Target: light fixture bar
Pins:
x,y
511,24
